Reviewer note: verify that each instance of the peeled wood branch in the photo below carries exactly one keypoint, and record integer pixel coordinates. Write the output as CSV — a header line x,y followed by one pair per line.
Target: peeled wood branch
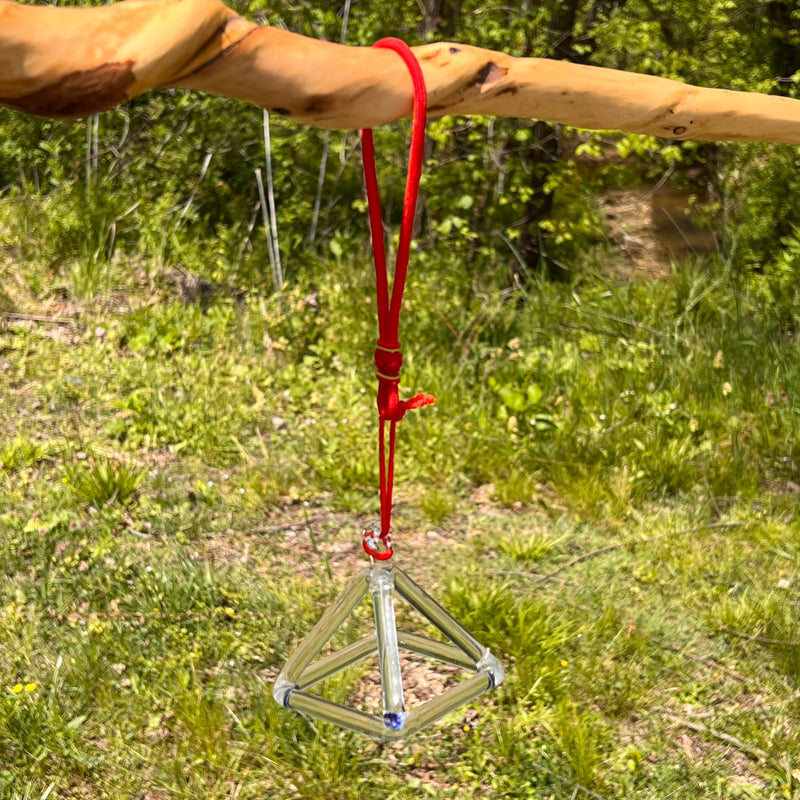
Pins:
x,y
70,62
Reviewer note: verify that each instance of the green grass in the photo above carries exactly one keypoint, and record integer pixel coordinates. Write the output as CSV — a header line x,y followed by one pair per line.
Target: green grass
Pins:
x,y
605,494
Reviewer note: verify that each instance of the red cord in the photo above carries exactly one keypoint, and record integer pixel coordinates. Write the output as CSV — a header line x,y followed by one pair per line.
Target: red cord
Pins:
x,y
388,355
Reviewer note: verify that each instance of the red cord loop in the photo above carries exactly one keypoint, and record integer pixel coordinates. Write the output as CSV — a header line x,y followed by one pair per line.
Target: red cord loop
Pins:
x,y
388,356
376,545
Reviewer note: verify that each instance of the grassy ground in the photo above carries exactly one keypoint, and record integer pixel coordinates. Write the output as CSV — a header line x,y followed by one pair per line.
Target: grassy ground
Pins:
x,y
605,494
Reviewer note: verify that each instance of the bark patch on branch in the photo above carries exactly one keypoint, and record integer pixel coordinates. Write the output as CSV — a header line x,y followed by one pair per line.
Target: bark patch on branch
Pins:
x,y
488,75
318,104
210,51
79,94
483,82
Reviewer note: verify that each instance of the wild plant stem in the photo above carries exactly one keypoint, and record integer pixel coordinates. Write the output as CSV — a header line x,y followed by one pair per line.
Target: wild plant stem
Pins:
x,y
272,238
323,164
632,543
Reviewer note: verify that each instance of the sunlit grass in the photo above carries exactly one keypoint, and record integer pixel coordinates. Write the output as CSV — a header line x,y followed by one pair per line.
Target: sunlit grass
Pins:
x,y
613,513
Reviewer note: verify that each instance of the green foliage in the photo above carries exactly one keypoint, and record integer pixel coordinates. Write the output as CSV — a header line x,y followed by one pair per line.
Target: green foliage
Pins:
x,y
22,452
526,546
437,504
579,741
103,482
764,617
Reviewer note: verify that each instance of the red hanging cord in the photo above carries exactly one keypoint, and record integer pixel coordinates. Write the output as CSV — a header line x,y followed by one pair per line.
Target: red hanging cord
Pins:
x,y
388,355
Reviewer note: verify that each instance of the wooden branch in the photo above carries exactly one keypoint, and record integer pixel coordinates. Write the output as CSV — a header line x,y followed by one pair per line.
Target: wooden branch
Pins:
x,y
70,62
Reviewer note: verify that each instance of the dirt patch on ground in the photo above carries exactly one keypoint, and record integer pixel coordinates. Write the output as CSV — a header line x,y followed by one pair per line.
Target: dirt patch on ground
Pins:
x,y
653,226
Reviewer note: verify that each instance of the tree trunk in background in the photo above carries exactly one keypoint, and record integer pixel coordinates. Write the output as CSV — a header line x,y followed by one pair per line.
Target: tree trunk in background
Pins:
x,y
784,20
547,148
440,18
561,30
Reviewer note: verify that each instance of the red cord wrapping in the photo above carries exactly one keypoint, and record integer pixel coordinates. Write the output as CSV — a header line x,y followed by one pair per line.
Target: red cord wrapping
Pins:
x,y
388,355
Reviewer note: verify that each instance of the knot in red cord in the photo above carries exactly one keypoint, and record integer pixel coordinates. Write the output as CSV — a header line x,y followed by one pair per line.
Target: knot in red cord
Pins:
x,y
389,360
